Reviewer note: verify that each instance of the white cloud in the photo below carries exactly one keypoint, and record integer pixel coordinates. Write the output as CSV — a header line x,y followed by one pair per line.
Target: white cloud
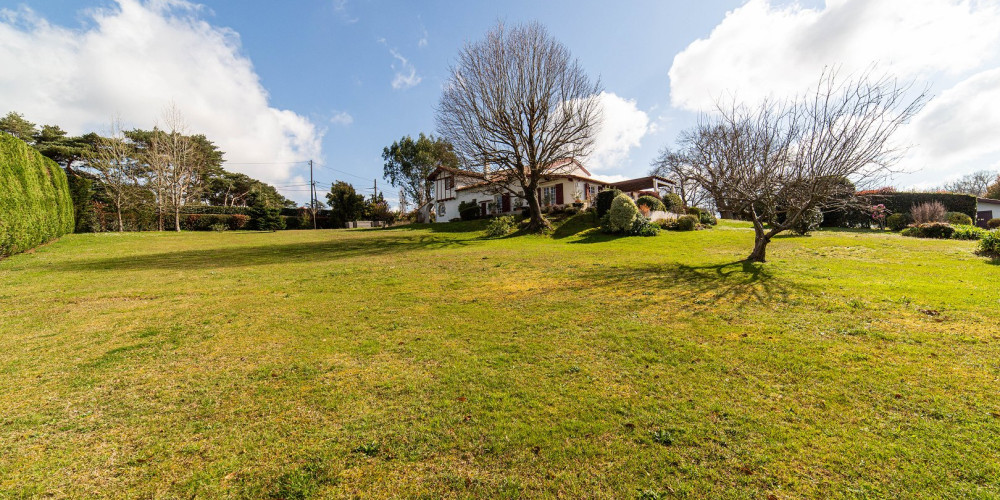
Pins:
x,y
623,127
406,73
341,118
136,58
761,49
610,178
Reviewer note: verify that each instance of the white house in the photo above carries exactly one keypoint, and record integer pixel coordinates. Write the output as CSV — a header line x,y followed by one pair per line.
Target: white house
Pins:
x,y
986,209
572,185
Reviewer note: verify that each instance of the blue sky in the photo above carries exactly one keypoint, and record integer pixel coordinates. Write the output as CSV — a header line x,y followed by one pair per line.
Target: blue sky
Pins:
x,y
279,82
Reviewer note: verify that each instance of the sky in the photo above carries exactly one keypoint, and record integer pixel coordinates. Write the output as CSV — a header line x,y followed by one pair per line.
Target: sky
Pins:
x,y
276,84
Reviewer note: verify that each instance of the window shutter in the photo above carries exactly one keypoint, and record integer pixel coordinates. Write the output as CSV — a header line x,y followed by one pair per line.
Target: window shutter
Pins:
x,y
586,191
559,194
505,203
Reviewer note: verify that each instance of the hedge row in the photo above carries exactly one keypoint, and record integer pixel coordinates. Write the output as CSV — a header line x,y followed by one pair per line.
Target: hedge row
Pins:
x,y
900,203
35,206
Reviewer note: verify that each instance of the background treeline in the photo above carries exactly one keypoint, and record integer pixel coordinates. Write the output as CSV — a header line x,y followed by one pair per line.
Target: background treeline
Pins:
x,y
35,205
142,180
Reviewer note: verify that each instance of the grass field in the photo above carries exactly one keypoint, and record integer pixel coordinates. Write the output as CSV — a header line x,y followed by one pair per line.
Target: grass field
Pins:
x,y
432,362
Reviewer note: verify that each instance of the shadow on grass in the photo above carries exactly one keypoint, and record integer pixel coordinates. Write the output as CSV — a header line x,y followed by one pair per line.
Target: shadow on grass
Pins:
x,y
315,251
574,225
736,282
467,226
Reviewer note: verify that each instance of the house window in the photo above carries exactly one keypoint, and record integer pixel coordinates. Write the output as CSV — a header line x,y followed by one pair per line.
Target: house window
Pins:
x,y
440,209
549,195
593,192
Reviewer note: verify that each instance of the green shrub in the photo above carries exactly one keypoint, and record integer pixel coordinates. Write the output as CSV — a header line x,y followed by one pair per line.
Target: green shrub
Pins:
x,y
501,226
695,211
622,213
938,230
897,222
958,219
35,203
652,202
642,226
674,203
687,223
468,210
990,244
604,199
810,221
219,227
993,224
707,218
968,232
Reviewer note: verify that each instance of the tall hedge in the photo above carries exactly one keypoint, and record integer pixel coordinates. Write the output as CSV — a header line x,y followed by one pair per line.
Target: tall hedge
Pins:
x,y
35,205
900,203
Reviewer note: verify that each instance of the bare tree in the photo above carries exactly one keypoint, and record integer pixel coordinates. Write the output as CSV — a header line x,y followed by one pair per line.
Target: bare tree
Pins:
x,y
774,162
181,165
516,106
975,183
112,159
675,166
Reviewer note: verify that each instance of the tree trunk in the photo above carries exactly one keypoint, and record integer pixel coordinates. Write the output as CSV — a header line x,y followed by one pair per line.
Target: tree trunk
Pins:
x,y
177,219
121,226
760,242
537,222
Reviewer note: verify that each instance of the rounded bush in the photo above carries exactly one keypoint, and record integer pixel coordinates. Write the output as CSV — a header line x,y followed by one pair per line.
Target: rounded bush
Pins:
x,y
911,232
604,199
993,224
687,223
695,211
958,219
468,210
652,202
622,213
938,230
897,222
642,226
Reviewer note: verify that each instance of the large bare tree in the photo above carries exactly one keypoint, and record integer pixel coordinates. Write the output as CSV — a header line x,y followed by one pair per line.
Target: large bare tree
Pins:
x,y
516,106
113,161
775,162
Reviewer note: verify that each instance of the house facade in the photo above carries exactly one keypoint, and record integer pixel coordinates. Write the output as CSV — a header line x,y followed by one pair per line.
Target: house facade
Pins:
x,y
573,185
986,209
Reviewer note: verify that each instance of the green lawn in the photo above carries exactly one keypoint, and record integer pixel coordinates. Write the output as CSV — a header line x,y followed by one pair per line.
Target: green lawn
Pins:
x,y
432,362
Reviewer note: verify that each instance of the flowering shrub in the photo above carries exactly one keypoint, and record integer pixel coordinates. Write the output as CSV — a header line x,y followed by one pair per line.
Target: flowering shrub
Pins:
x,y
879,213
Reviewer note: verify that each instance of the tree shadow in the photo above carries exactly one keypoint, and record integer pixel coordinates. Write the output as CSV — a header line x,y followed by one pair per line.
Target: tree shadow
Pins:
x,y
738,282
246,256
468,226
574,225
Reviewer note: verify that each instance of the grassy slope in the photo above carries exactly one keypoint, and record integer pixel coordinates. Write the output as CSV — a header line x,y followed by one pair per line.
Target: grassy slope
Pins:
x,y
424,361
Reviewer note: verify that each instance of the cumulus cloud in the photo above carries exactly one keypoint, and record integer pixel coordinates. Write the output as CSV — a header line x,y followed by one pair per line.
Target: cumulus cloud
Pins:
x,y
622,128
341,118
762,49
134,59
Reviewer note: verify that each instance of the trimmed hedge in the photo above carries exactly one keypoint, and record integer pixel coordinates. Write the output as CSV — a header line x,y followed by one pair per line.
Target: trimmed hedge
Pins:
x,y
604,199
900,203
35,204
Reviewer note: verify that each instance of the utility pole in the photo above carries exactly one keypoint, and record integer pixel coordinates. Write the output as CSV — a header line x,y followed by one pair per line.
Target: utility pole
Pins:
x,y
312,194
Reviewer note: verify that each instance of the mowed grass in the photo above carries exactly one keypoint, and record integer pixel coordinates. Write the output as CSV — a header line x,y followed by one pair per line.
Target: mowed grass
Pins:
x,y
433,362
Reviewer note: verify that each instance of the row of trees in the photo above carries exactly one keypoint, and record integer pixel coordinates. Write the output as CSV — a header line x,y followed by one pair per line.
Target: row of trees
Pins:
x,y
130,171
